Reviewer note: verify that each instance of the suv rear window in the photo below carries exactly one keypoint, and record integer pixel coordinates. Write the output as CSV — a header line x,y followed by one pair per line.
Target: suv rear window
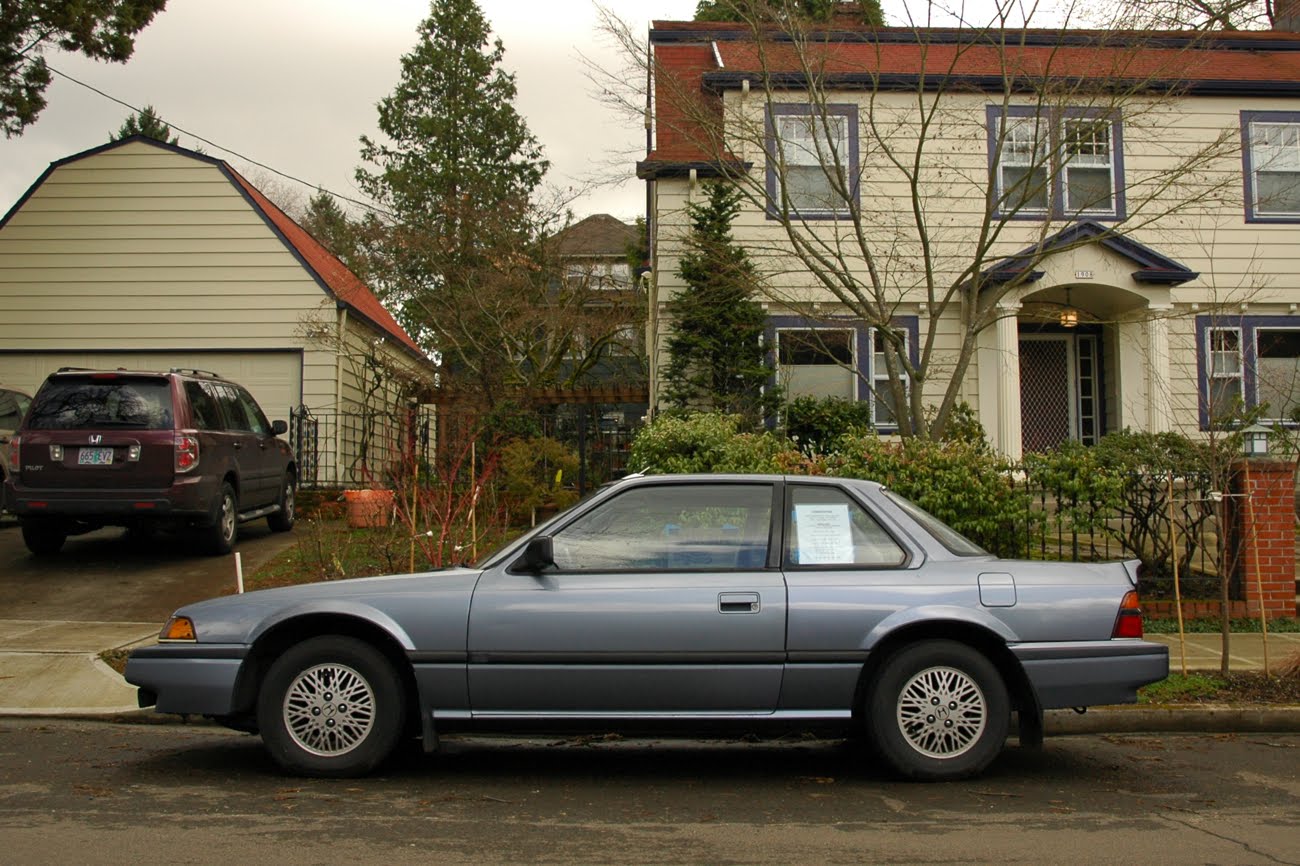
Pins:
x,y
87,403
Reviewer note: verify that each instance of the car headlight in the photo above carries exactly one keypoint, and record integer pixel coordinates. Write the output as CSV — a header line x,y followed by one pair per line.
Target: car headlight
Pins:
x,y
178,628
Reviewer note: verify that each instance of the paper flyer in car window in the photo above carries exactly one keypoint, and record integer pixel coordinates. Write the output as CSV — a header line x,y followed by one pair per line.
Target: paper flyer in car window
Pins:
x,y
824,534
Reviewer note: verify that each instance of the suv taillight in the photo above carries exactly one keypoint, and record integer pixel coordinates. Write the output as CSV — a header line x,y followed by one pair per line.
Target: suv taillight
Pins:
x,y
187,452
1129,621
14,445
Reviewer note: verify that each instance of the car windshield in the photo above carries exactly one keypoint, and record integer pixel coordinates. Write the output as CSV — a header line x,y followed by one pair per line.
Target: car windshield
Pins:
x,y
97,402
943,533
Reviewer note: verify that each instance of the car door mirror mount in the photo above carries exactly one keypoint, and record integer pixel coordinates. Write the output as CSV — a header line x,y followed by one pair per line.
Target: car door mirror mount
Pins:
x,y
538,554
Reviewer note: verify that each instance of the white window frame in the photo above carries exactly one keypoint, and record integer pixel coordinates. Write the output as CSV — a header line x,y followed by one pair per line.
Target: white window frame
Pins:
x,y
809,149
1212,356
1014,155
880,374
1272,156
1082,161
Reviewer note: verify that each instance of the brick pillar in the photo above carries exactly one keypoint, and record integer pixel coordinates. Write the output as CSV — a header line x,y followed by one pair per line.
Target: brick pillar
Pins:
x,y
1269,541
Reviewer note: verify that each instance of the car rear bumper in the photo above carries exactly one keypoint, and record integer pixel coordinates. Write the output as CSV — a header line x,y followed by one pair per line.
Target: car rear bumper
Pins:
x,y
188,497
196,679
1092,673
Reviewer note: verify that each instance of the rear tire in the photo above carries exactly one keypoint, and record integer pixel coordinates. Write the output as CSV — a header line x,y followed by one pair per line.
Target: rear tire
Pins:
x,y
331,706
44,537
220,535
937,711
282,520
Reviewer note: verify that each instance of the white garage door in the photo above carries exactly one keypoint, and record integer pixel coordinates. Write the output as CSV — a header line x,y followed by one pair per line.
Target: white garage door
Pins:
x,y
274,378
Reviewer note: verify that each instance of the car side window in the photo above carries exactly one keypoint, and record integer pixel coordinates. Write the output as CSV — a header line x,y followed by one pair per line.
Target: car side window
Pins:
x,y
256,420
678,527
827,528
235,415
203,407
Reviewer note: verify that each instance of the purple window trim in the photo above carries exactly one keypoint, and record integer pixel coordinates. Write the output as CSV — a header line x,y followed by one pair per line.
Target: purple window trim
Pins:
x,y
1248,326
846,110
1248,169
861,344
1056,195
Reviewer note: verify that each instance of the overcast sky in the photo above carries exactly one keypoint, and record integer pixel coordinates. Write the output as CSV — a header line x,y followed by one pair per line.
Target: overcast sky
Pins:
x,y
294,83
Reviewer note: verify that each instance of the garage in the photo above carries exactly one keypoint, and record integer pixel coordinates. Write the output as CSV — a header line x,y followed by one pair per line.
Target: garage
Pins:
x,y
273,377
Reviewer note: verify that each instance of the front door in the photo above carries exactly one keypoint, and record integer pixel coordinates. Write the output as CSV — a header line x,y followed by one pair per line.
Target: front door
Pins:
x,y
659,602
1046,391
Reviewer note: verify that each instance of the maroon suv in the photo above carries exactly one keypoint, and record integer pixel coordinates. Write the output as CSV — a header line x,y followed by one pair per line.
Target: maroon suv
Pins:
x,y
178,450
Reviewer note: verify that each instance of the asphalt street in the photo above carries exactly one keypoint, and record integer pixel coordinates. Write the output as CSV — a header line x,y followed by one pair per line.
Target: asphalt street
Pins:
x,y
104,793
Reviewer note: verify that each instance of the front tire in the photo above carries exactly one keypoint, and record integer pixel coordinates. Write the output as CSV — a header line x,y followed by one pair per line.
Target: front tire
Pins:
x,y
938,711
44,537
331,706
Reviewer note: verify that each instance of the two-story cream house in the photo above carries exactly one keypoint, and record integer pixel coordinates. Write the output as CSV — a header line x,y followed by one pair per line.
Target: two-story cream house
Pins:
x,y
1073,232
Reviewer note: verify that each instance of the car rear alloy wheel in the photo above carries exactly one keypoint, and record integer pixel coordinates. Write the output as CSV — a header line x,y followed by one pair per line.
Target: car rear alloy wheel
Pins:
x,y
331,706
938,710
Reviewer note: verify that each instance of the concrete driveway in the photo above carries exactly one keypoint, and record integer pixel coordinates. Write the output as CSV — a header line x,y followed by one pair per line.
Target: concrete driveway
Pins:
x,y
104,577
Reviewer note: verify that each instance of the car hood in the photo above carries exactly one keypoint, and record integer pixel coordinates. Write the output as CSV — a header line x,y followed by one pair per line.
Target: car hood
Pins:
x,y
239,618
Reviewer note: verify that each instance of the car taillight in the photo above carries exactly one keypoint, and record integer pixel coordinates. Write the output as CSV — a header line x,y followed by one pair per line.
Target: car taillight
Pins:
x,y
14,445
1129,621
187,452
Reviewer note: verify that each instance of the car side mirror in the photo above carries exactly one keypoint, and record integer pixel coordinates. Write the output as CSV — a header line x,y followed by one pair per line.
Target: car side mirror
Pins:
x,y
279,428
538,554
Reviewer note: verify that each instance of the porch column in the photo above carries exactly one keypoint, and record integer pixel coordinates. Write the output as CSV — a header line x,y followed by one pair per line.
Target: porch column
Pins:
x,y
1159,407
1008,349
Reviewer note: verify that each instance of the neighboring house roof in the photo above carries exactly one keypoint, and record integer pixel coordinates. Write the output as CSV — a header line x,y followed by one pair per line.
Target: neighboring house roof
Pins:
x,y
695,61
327,270
597,236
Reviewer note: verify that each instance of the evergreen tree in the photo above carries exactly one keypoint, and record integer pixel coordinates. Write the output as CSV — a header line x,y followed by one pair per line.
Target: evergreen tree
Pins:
x,y
146,123
456,174
716,355
98,29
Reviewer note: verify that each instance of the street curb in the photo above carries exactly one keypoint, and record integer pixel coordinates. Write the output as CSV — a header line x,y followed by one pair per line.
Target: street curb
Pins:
x,y
1175,719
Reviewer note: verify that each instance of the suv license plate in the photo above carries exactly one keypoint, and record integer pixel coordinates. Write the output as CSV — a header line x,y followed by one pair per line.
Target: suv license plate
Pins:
x,y
95,457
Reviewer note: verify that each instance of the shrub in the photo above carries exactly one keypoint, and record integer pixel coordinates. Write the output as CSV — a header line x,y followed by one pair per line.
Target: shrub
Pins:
x,y
817,424
957,481
709,442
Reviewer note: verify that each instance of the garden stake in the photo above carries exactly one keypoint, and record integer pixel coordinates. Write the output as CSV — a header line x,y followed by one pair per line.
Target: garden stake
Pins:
x,y
1173,554
239,574
1254,561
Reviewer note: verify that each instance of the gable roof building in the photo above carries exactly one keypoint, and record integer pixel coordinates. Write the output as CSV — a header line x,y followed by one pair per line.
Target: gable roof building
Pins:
x,y
1073,232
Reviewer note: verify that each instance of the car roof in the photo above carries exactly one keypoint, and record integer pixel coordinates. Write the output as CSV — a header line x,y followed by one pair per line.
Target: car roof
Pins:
x,y
730,477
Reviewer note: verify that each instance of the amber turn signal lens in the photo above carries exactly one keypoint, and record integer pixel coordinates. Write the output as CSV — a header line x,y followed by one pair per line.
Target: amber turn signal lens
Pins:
x,y
177,628
1129,621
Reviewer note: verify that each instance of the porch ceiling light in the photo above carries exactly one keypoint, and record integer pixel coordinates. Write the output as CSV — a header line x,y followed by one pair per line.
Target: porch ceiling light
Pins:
x,y
1069,315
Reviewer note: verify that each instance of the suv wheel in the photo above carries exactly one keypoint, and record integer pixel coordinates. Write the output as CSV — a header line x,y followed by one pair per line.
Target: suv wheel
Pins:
x,y
44,537
282,520
225,523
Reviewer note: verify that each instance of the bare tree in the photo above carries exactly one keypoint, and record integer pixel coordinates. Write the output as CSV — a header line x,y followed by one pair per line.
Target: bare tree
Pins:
x,y
922,216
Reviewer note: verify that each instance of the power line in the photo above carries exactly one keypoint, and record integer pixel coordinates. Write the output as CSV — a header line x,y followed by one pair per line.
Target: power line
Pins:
x,y
367,205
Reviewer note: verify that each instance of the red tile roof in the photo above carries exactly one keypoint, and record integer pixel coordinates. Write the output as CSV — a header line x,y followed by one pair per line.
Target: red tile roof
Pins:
x,y
694,60
345,286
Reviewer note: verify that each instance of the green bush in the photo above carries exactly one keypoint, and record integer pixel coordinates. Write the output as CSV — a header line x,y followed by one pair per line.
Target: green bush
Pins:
x,y
708,442
816,425
958,482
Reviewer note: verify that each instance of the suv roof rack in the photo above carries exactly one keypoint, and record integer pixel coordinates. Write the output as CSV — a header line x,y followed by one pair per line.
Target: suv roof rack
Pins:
x,y
199,374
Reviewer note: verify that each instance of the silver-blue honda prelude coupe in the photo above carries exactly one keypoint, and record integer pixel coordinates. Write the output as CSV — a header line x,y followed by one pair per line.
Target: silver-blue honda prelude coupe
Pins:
x,y
686,603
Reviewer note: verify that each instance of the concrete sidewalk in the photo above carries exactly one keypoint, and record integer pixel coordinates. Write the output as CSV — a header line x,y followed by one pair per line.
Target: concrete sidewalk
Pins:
x,y
52,668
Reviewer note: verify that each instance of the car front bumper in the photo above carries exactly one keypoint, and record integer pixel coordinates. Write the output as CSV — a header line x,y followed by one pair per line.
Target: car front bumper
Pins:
x,y
197,679
1091,673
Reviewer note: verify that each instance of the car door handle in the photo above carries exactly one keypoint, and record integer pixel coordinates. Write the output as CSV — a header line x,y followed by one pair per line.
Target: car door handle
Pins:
x,y
238,445
739,602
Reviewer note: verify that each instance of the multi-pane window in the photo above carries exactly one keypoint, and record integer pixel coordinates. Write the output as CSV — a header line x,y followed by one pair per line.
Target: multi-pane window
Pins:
x,y
1062,163
1224,371
817,362
812,161
1273,157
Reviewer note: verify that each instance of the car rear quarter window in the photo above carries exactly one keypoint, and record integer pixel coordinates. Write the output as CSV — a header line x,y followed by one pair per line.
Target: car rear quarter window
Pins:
x,y
950,538
203,407
102,402
828,529
681,527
